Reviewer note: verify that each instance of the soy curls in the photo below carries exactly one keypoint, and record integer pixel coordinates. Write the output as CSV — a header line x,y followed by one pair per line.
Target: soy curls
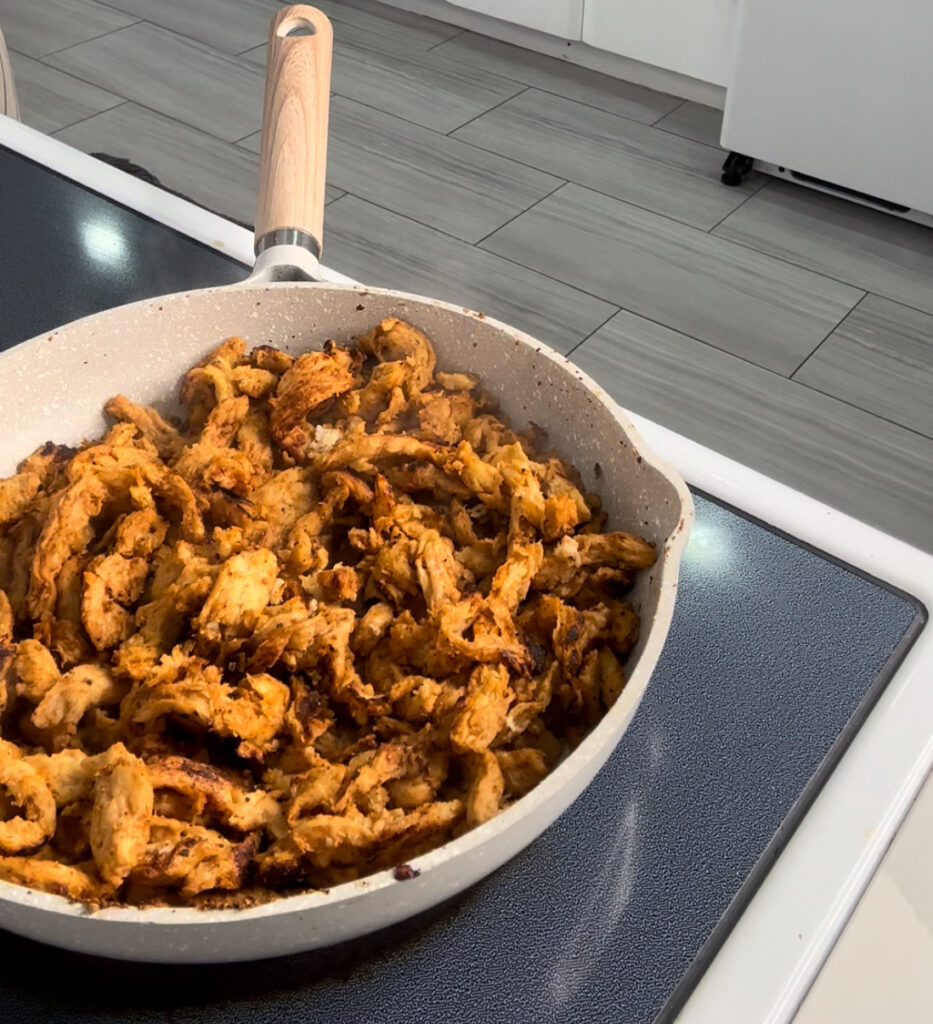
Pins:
x,y
335,617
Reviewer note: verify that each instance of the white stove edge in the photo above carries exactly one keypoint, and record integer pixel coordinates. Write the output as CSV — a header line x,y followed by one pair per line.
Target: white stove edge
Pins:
x,y
773,954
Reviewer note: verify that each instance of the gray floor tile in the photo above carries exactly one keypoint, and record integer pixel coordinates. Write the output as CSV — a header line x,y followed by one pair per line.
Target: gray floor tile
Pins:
x,y
231,27
37,28
49,99
871,469
559,76
756,307
175,76
418,87
872,250
393,25
694,121
215,174
634,162
428,177
879,358
382,248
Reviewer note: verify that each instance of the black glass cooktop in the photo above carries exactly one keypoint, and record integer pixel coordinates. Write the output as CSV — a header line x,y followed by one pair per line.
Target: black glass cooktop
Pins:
x,y
66,252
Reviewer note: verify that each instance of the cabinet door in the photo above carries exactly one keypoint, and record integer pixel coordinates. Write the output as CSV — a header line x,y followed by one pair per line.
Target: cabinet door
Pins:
x,y
841,94
692,37
558,17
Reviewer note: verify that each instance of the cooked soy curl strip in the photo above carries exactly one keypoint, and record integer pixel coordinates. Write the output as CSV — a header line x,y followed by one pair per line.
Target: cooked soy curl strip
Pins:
x,y
335,617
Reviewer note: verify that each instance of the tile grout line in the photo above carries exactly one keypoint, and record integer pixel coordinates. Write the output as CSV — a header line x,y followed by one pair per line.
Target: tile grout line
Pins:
x,y
524,89
599,327
688,138
89,117
683,103
616,199
573,99
433,46
612,302
168,117
828,335
113,7
528,85
124,100
819,273
417,124
751,195
94,39
476,244
764,369
198,44
456,35
699,341
615,308
867,412
610,113
441,231
582,291
712,233
473,245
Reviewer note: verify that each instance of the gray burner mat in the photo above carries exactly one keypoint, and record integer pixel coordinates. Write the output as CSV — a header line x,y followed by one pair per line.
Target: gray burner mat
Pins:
x,y
774,659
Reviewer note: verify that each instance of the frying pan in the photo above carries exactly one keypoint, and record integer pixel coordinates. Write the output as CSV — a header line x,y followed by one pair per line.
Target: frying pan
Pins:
x,y
54,386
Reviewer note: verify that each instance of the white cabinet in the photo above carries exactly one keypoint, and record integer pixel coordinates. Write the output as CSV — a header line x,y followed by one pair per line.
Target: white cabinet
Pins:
x,y
558,17
692,37
838,90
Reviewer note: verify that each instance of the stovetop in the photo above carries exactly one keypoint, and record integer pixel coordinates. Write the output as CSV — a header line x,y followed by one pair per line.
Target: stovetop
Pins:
x,y
775,656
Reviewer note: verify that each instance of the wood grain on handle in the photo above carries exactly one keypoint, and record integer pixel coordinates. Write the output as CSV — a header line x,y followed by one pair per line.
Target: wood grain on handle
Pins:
x,y
293,159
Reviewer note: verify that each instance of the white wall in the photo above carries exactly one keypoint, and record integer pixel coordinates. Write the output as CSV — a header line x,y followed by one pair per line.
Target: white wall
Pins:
x,y
692,37
558,17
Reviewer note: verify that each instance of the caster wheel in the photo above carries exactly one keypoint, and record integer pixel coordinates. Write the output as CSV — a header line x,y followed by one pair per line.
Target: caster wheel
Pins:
x,y
736,168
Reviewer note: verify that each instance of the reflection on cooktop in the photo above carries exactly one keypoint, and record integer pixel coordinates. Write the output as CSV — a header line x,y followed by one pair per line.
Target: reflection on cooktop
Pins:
x,y
68,252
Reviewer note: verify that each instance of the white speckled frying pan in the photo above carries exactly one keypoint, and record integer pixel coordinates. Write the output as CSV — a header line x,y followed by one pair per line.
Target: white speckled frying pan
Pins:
x,y
54,386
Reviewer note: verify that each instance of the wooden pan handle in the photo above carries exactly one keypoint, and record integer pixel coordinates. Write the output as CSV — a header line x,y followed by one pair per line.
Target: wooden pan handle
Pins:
x,y
293,158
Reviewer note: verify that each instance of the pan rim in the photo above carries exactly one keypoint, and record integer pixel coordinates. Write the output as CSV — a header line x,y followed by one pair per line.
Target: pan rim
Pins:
x,y
595,745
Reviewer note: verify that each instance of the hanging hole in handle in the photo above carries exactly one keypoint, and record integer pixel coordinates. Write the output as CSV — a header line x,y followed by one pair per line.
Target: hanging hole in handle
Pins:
x,y
296,27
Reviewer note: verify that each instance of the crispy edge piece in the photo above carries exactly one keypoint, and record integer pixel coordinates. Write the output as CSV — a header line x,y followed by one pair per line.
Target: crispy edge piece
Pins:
x,y
484,788
27,789
314,378
17,494
121,815
168,442
6,619
240,592
482,712
73,881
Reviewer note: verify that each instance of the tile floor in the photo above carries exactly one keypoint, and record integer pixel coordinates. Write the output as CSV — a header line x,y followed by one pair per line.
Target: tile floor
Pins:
x,y
788,329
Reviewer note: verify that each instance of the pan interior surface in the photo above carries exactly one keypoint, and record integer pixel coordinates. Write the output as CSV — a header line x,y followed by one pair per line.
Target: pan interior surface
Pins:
x,y
54,387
